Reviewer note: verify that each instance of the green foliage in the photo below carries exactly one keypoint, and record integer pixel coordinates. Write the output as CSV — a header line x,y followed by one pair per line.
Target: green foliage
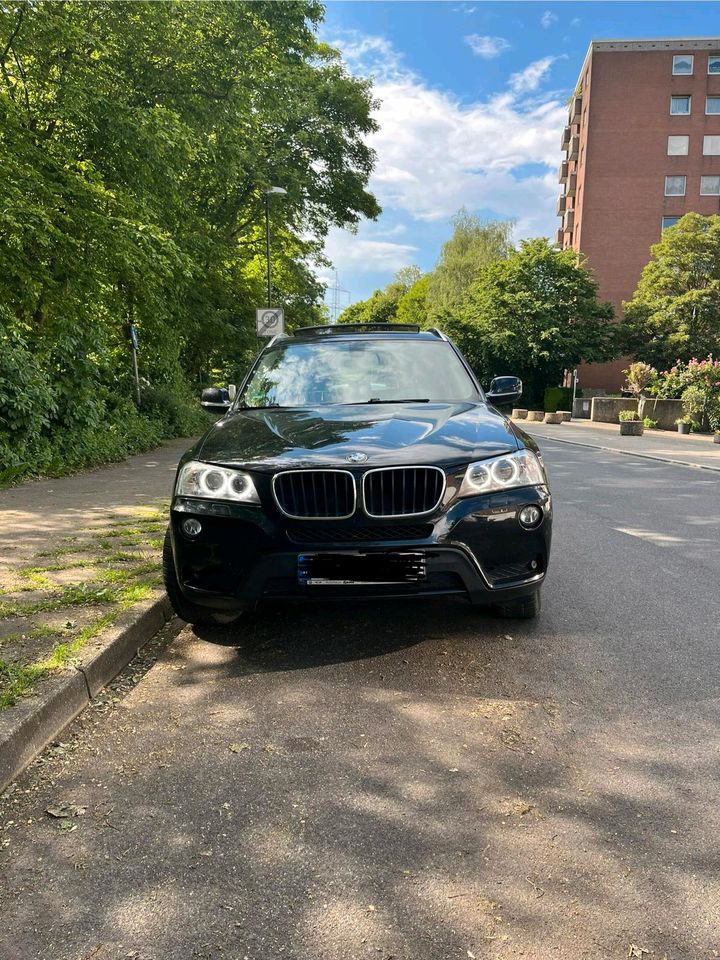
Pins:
x,y
675,311
474,244
640,378
382,306
534,315
137,141
412,306
557,398
628,415
177,411
697,384
649,424
532,311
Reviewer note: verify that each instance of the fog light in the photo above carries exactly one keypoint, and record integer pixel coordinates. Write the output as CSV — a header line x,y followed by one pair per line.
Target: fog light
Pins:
x,y
191,527
530,517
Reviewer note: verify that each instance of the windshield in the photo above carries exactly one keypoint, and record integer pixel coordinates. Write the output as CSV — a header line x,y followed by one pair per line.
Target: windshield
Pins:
x,y
357,371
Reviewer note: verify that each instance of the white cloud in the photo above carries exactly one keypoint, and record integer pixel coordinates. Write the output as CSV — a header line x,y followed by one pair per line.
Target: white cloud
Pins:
x,y
530,78
370,55
575,22
437,152
487,47
365,253
548,18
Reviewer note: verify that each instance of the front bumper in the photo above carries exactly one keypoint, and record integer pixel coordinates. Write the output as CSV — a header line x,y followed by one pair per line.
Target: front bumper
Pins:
x,y
245,554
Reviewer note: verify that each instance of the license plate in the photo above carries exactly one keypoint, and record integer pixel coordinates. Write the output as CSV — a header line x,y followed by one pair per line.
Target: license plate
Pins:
x,y
359,569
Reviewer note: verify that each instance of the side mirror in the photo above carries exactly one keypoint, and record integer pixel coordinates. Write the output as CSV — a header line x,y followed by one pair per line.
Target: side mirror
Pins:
x,y
215,400
505,390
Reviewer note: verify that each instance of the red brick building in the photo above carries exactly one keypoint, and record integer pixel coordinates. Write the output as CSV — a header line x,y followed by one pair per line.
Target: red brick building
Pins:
x,y
642,147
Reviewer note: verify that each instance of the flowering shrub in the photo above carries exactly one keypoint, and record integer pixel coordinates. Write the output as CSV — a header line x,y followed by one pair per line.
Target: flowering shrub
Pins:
x,y
697,384
641,377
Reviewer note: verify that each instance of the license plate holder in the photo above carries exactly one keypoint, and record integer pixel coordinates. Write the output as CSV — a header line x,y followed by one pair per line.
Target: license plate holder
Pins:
x,y
360,569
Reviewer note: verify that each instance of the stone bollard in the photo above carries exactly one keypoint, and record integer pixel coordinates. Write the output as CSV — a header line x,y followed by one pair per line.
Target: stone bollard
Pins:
x,y
519,414
536,416
566,415
553,417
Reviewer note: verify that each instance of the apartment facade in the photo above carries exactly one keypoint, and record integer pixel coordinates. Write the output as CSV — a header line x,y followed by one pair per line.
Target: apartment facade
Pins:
x,y
642,148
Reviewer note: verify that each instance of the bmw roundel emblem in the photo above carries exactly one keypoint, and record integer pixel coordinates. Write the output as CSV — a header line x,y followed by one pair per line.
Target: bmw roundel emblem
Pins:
x,y
356,457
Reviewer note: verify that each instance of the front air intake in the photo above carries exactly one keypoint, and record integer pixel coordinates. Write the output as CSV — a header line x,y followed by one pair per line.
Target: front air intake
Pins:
x,y
402,491
315,494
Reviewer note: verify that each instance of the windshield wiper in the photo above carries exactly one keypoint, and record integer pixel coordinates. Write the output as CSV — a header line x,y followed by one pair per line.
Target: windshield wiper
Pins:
x,y
402,400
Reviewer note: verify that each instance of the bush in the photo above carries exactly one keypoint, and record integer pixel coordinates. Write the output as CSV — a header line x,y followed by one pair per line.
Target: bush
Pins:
x,y
626,415
124,432
557,398
175,409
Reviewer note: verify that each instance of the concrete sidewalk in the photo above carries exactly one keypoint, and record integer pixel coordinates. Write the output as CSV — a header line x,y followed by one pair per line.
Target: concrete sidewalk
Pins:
x,y
34,515
79,553
691,450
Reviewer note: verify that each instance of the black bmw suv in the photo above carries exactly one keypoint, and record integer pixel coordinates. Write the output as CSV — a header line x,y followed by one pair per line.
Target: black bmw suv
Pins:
x,y
359,461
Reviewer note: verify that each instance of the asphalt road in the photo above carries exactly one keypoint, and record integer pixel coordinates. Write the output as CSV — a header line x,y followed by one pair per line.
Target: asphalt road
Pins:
x,y
409,781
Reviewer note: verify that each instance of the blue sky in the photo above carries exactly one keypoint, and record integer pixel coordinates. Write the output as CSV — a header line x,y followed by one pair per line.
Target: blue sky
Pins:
x,y
472,102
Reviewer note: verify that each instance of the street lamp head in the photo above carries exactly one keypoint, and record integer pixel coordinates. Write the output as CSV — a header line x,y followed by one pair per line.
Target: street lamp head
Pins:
x,y
280,190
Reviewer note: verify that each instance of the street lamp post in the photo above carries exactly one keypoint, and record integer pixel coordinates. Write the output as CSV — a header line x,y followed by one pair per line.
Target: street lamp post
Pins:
x,y
282,191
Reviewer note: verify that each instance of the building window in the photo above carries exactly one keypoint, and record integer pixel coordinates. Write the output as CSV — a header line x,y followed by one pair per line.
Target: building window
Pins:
x,y
669,222
683,64
680,106
712,104
674,186
678,146
710,186
711,146
713,64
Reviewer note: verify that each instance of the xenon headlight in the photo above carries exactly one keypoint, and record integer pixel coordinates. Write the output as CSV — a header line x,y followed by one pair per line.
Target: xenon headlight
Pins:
x,y
519,469
215,483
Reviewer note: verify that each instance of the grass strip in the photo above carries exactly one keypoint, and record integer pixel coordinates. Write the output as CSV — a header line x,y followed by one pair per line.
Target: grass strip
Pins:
x,y
17,680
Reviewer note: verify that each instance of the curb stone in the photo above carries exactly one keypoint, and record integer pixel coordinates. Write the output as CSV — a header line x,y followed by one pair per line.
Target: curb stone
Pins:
x,y
28,727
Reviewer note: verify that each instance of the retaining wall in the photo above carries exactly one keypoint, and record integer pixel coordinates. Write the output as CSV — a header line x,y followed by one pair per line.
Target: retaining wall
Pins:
x,y
606,410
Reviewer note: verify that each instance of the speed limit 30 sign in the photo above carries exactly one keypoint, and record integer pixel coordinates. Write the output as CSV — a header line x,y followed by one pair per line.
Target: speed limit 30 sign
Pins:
x,y
269,321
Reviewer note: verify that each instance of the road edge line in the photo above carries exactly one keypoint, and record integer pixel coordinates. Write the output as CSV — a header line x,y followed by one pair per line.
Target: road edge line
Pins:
x,y
29,726
629,453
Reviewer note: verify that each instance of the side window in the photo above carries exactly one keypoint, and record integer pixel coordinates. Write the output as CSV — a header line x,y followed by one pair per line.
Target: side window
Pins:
x,y
678,146
682,65
680,106
675,186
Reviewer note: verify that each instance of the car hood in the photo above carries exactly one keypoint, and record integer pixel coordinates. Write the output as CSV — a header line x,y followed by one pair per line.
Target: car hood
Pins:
x,y
443,434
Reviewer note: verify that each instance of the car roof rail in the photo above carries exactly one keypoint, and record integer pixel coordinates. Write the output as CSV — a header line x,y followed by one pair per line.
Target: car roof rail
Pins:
x,y
437,333
340,328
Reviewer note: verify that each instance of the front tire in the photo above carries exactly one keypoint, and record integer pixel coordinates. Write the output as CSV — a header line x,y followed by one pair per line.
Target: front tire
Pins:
x,y
524,608
188,611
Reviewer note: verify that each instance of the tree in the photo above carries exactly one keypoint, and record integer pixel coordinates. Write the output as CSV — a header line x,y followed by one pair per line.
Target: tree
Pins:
x,y
382,306
412,306
137,140
474,244
675,311
534,314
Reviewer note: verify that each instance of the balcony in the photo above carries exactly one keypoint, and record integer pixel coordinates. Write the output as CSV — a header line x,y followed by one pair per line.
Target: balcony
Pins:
x,y
574,148
559,237
561,205
569,221
565,138
571,185
563,172
575,110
